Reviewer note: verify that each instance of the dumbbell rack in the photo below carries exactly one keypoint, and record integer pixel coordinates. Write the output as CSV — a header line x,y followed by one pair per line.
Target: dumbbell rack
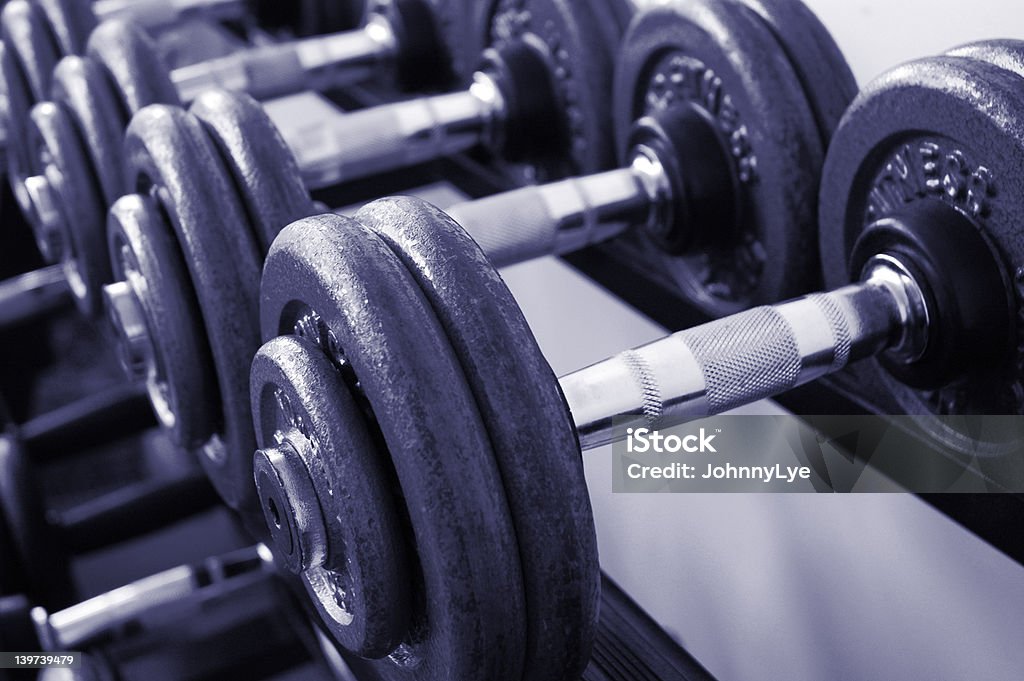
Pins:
x,y
629,643
621,268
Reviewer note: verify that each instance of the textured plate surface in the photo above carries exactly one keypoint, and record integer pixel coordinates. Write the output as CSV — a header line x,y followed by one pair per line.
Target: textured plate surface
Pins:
x,y
79,84
60,157
143,251
337,280
720,58
362,590
540,464
27,60
823,71
579,43
130,59
945,129
263,169
171,159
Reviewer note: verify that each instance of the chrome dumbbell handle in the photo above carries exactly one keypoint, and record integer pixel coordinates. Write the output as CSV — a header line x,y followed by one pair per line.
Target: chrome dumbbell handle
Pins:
x,y
180,587
156,13
349,146
748,356
565,216
319,63
33,295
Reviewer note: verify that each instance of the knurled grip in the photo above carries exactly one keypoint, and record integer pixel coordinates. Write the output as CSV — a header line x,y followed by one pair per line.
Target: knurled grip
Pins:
x,y
511,227
745,357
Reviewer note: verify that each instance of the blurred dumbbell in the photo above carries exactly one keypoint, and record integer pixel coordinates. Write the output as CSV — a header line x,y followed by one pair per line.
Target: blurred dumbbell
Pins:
x,y
32,296
217,184
122,72
36,545
37,33
548,74
208,612
402,338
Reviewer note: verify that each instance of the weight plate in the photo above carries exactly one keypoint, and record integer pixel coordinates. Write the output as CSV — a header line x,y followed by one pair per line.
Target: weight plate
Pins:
x,y
578,42
459,38
79,84
541,466
71,22
339,283
265,172
362,590
27,60
826,77
180,376
170,158
59,156
719,58
1006,54
29,41
943,129
310,17
129,58
36,550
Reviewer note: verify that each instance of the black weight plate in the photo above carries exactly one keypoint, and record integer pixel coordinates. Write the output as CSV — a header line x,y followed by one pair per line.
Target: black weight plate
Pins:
x,y
71,22
129,58
43,563
27,60
579,41
453,20
181,384
60,156
362,592
824,73
529,424
1006,54
946,129
170,158
310,17
719,58
339,283
79,84
26,36
265,172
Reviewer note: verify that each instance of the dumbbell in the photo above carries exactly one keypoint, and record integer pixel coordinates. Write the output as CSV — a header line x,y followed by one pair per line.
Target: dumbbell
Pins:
x,y
391,337
220,603
571,47
122,72
217,184
37,33
36,546
439,368
30,296
720,154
